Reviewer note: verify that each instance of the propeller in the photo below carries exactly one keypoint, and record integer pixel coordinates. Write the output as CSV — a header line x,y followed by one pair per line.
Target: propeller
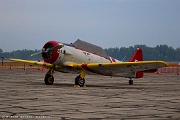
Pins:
x,y
35,54
48,50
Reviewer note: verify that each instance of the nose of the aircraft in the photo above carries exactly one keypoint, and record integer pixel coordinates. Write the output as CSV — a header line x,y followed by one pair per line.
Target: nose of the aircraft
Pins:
x,y
49,54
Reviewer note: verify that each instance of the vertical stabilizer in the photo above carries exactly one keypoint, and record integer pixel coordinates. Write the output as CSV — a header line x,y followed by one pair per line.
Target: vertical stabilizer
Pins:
x,y
137,56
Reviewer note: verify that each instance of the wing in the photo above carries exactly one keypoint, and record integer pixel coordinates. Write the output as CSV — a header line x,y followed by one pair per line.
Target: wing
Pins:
x,y
66,67
121,69
32,62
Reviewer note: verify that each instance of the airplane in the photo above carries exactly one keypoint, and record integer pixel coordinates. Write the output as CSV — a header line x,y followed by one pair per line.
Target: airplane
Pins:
x,y
85,58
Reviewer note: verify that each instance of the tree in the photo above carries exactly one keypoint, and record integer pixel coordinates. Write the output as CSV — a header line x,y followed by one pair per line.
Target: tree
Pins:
x,y
1,50
160,52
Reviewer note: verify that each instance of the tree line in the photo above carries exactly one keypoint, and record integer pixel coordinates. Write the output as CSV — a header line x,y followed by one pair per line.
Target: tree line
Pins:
x,y
160,52
21,54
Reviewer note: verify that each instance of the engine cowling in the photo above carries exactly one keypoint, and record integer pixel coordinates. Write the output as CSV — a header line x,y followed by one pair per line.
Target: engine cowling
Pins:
x,y
50,56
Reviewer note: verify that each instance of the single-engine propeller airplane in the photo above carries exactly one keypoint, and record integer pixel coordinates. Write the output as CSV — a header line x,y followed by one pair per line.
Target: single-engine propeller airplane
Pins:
x,y
87,58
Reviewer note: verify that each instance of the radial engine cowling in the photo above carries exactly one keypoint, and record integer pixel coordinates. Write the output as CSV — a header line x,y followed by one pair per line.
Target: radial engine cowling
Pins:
x,y
48,55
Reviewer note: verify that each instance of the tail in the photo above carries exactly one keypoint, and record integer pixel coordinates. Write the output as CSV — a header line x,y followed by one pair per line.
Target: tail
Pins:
x,y
137,56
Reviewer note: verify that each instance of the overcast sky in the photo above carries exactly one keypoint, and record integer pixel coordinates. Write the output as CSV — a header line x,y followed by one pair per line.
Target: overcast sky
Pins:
x,y
29,24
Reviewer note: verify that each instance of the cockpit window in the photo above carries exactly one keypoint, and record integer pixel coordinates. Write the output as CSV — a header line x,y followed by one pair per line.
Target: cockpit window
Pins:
x,y
89,47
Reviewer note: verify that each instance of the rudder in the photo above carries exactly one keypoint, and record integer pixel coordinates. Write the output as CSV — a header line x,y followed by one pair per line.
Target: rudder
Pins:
x,y
137,56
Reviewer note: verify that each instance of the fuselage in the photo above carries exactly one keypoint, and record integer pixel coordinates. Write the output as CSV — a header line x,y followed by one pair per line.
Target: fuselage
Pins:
x,y
75,55
71,54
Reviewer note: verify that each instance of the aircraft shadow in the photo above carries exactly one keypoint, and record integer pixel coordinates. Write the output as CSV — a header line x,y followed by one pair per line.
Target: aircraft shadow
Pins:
x,y
100,86
104,86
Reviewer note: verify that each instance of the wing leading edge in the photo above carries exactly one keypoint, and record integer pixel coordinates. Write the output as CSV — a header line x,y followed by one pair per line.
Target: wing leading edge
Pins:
x,y
32,62
121,69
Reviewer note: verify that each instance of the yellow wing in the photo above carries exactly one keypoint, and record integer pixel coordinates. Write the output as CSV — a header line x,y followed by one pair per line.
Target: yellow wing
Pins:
x,y
32,62
44,64
121,69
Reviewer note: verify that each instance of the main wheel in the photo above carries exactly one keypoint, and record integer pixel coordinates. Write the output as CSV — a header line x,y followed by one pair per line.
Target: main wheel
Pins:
x,y
130,82
49,79
79,81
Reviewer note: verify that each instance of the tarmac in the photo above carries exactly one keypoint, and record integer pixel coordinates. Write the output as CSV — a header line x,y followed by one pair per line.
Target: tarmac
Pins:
x,y
23,95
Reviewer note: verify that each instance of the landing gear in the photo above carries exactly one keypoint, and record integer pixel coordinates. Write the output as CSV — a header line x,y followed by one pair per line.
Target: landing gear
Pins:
x,y
130,82
79,81
49,79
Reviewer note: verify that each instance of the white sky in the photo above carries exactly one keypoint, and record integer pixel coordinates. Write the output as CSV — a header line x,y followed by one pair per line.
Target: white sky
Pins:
x,y
29,24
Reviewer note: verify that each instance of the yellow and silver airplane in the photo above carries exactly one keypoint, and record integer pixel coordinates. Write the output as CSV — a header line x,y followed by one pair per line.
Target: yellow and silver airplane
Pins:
x,y
85,58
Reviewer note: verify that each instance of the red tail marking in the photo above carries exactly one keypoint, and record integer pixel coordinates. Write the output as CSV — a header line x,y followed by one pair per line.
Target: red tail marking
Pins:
x,y
137,56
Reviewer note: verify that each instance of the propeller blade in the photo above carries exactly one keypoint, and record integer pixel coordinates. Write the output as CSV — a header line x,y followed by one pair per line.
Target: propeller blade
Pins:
x,y
36,53
48,50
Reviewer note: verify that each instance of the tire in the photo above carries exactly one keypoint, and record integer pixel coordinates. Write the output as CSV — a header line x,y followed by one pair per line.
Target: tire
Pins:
x,y
130,82
49,79
79,81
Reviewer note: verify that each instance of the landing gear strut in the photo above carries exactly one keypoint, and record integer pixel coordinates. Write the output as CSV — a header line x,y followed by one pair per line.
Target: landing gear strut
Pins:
x,y
49,79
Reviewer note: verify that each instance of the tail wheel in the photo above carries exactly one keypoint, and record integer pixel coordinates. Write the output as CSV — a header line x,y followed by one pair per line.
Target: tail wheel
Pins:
x,y
49,79
79,81
130,82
